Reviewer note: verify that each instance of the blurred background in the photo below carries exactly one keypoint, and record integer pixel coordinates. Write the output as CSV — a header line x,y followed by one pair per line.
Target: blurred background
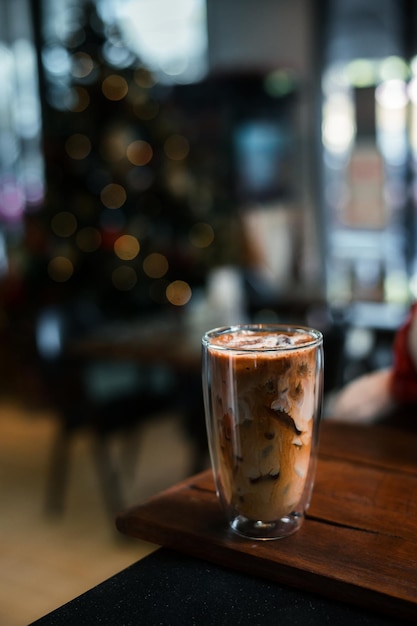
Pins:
x,y
166,168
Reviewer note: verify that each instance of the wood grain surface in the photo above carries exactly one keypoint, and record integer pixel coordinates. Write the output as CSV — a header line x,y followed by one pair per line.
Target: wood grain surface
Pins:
x,y
358,543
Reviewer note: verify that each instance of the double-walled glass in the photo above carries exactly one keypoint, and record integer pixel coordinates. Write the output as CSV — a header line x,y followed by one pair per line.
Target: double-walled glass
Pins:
x,y
263,396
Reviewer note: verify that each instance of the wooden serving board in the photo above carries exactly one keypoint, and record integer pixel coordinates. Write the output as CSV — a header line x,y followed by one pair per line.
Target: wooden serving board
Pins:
x,y
357,545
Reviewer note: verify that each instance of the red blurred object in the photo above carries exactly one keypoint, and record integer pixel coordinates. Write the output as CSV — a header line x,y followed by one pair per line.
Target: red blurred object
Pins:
x,y
404,373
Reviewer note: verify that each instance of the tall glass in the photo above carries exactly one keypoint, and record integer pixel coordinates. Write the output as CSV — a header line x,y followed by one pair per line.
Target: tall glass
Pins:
x,y
262,389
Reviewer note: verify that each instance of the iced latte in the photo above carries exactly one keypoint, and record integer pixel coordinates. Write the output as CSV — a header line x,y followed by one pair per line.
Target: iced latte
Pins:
x,y
262,400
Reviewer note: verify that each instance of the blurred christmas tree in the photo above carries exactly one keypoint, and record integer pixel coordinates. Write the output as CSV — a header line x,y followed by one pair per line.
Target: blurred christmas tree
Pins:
x,y
123,226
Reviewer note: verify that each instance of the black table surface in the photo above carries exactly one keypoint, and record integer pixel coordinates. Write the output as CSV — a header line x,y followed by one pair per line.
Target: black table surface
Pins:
x,y
168,588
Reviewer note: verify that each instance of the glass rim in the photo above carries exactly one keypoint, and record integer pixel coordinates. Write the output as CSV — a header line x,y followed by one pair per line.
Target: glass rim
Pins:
x,y
316,336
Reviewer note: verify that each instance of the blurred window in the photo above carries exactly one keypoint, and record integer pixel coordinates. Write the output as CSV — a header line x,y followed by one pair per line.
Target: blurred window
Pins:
x,y
169,38
21,161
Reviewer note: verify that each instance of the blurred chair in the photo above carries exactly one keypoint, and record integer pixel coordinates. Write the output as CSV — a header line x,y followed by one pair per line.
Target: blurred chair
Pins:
x,y
105,399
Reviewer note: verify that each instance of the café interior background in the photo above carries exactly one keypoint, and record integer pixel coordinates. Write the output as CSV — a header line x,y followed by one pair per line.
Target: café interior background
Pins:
x,y
190,164
214,163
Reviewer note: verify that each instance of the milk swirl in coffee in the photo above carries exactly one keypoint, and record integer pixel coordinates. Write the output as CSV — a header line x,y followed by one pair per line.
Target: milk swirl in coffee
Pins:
x,y
263,402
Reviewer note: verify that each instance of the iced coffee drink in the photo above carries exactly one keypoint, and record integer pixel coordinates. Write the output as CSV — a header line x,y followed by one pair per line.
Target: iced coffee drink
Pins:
x,y
263,400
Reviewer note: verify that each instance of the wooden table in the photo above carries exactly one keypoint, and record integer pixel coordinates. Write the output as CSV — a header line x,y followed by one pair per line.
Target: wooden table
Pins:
x,y
357,545
167,341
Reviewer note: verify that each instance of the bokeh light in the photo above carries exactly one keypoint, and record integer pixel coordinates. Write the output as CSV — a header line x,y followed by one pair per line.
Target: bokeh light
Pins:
x,y
178,293
60,269
116,54
114,87
139,152
78,146
12,200
144,78
338,126
56,60
113,146
82,65
81,100
126,247
34,186
113,196
176,147
155,265
201,235
280,82
64,224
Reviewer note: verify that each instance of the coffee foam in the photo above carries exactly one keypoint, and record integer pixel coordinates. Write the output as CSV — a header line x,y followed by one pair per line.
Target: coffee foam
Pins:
x,y
248,340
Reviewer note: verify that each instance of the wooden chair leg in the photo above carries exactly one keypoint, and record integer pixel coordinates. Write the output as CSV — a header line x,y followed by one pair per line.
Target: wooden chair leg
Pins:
x,y
108,475
57,479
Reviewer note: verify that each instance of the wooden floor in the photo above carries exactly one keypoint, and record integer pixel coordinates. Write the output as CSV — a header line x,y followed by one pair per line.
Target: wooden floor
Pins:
x,y
46,561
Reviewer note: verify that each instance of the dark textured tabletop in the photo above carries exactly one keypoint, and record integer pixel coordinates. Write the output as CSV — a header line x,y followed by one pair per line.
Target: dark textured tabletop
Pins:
x,y
167,588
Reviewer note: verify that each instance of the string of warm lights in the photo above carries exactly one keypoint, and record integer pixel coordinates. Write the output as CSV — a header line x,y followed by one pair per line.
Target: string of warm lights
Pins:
x,y
122,163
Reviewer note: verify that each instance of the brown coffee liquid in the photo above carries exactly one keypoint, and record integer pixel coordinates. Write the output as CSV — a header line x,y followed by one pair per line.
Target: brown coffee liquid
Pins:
x,y
264,403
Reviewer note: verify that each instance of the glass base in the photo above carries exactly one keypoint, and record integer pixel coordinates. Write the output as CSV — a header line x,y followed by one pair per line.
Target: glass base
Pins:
x,y
257,529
